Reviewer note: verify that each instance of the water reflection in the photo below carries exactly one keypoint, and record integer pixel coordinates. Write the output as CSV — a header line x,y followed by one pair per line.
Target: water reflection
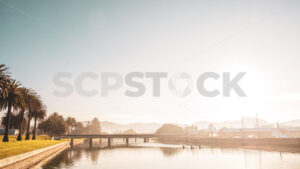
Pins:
x,y
154,155
65,159
168,152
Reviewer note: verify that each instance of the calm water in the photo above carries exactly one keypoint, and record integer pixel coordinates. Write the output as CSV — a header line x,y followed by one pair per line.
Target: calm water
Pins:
x,y
163,156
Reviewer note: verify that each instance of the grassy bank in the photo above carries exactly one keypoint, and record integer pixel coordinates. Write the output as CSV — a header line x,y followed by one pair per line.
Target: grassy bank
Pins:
x,y
14,147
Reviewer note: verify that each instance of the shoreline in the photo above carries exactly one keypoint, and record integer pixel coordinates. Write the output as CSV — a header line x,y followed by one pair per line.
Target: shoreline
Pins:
x,y
291,145
37,158
32,158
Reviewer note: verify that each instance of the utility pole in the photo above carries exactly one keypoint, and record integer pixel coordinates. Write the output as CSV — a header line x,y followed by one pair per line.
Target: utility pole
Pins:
x,y
243,127
257,126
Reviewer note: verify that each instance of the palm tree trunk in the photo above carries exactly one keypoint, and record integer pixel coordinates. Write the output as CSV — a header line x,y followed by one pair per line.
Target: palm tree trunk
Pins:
x,y
34,129
5,138
21,125
28,128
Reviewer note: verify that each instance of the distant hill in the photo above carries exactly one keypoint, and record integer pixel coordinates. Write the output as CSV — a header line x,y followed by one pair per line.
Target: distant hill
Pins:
x,y
292,123
170,129
111,127
249,123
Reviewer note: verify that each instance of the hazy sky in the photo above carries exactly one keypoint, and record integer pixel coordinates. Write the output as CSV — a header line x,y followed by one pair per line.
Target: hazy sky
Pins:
x,y
40,38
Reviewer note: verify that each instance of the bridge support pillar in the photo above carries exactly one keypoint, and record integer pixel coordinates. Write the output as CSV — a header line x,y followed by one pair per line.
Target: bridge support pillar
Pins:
x,y
146,140
109,141
91,142
135,139
72,142
127,140
100,140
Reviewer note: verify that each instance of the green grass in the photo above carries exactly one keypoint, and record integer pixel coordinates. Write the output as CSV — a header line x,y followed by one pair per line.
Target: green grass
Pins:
x,y
14,147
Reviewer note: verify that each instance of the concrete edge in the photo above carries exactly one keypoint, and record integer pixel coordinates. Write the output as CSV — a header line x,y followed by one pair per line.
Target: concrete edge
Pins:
x,y
13,159
28,159
47,159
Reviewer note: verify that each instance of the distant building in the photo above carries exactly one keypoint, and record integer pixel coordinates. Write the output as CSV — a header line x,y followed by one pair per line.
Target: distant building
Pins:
x,y
10,131
191,130
277,134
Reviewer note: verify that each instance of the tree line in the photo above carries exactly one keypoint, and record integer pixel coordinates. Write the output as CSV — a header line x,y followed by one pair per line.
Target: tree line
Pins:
x,y
55,124
16,98
24,105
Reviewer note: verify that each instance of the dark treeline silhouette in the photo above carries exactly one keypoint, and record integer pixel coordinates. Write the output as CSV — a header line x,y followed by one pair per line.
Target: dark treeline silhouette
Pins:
x,y
55,124
15,122
92,127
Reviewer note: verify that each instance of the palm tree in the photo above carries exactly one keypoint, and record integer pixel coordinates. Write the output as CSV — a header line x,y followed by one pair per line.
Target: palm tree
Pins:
x,y
10,97
38,115
33,104
3,78
3,72
25,96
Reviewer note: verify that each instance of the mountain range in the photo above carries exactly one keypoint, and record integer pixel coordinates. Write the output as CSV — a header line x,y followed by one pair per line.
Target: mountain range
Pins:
x,y
111,127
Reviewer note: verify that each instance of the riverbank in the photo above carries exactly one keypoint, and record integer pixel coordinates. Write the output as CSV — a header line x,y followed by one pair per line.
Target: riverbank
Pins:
x,y
31,158
14,147
268,144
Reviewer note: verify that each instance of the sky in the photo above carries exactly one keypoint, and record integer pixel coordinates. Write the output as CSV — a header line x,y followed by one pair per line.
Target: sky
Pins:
x,y
39,39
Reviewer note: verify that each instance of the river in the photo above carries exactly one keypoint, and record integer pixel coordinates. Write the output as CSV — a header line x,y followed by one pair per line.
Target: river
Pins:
x,y
164,156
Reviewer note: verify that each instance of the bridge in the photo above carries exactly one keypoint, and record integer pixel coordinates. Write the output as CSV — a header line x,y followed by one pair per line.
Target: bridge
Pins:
x,y
110,137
